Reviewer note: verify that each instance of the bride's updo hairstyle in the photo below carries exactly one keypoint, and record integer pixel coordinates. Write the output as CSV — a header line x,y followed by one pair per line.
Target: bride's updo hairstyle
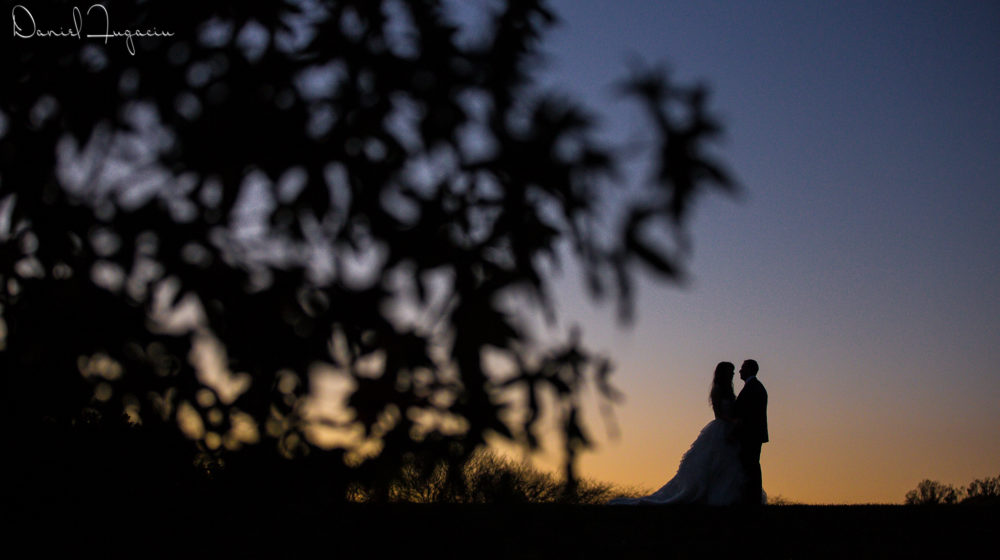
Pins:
x,y
722,382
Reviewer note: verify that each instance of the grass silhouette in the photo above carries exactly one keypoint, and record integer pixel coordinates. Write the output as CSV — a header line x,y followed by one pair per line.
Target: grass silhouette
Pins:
x,y
490,478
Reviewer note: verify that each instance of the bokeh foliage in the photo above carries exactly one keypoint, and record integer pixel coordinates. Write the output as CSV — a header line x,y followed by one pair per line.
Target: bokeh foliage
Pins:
x,y
365,195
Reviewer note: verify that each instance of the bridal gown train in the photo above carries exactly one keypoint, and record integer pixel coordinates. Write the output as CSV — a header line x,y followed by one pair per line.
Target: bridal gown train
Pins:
x,y
710,472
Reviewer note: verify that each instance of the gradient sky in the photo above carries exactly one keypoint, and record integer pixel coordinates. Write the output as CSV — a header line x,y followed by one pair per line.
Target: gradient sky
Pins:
x,y
861,266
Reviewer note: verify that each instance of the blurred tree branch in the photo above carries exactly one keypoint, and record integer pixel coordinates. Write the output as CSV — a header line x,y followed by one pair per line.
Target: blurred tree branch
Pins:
x,y
344,192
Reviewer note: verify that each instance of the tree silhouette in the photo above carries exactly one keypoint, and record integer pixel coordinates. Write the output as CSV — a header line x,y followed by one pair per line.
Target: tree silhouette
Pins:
x,y
356,194
932,493
983,491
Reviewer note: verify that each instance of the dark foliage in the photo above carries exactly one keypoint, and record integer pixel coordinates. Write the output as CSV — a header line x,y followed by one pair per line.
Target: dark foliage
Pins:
x,y
983,491
344,192
488,478
933,493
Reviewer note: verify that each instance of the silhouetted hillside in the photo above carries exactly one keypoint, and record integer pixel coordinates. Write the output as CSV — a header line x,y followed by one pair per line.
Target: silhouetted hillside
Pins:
x,y
237,529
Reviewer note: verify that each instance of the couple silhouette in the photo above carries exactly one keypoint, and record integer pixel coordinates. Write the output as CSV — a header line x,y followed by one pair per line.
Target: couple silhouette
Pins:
x,y
722,466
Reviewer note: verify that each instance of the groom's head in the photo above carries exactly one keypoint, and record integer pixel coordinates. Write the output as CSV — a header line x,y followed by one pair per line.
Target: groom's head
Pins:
x,y
748,369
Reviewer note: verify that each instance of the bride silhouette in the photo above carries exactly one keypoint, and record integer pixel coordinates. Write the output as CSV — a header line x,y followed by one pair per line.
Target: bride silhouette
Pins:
x,y
710,472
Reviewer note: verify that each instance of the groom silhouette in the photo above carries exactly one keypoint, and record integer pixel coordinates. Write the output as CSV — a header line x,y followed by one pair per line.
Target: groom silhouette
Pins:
x,y
751,429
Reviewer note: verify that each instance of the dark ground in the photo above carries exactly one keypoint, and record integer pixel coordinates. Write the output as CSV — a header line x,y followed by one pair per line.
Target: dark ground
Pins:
x,y
526,531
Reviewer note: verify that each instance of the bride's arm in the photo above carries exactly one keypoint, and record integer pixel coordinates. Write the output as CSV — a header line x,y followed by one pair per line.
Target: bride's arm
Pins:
x,y
726,410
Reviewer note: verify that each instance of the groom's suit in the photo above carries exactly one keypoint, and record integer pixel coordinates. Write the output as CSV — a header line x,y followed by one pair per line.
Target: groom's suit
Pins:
x,y
751,410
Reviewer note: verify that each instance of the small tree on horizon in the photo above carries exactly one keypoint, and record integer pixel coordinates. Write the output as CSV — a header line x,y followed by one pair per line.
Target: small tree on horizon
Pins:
x,y
983,491
932,493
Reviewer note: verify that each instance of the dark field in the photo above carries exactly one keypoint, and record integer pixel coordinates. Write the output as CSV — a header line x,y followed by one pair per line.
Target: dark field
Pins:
x,y
525,531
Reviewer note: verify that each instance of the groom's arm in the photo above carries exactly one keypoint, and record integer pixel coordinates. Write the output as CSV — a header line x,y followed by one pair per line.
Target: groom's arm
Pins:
x,y
760,409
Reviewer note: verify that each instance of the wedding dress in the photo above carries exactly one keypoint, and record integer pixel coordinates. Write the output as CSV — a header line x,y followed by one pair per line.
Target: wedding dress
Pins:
x,y
710,472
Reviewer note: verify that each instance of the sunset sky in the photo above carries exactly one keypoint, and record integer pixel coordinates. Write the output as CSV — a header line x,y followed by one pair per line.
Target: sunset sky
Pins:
x,y
861,265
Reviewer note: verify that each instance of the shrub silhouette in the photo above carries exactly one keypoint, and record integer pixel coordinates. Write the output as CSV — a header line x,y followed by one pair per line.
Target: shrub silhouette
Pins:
x,y
349,190
489,478
983,491
780,501
932,493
